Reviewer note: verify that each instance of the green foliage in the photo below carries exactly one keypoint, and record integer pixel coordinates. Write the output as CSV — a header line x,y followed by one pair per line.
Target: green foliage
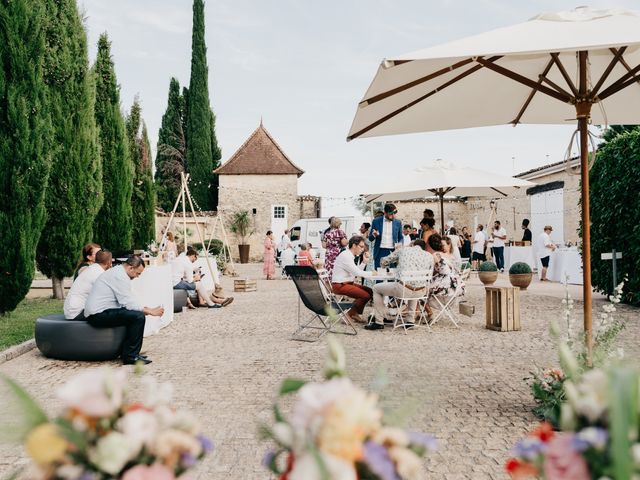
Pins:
x,y
74,192
519,268
25,145
215,247
615,220
17,327
171,151
203,153
487,267
142,197
548,392
113,224
241,225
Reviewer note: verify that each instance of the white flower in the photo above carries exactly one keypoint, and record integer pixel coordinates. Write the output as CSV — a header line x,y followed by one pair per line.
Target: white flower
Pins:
x,y
69,472
140,427
171,443
283,434
95,393
155,393
408,464
635,452
112,452
306,468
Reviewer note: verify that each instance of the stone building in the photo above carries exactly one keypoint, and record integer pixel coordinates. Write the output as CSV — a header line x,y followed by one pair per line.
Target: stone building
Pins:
x,y
261,179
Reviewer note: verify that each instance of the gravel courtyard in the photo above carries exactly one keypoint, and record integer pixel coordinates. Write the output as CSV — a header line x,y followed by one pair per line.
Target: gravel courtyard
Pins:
x,y
464,385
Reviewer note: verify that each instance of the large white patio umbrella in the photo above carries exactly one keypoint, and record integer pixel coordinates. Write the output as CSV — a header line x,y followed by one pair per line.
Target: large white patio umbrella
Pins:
x,y
551,69
446,179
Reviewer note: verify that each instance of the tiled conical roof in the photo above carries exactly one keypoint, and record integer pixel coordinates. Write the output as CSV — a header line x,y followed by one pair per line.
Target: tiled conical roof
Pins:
x,y
259,155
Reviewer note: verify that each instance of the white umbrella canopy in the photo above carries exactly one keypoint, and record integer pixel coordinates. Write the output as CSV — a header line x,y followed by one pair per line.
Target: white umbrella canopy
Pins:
x,y
552,69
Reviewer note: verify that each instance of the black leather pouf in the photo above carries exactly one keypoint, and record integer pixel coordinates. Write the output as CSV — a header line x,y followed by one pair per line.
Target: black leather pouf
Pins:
x,y
179,300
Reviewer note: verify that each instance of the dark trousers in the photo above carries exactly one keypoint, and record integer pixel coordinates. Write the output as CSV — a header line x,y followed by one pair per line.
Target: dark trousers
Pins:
x,y
118,317
382,252
498,254
360,293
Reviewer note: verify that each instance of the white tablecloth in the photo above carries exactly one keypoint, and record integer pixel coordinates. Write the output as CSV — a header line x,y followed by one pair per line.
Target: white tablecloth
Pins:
x,y
519,254
152,289
563,263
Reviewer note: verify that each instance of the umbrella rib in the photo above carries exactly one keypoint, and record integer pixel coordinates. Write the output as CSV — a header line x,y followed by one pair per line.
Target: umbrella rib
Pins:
x,y
555,86
423,97
524,80
625,64
617,57
402,88
496,190
621,83
531,95
565,75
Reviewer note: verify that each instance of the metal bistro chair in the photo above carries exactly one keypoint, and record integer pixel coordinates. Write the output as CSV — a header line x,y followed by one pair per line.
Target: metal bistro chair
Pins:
x,y
402,301
445,304
327,314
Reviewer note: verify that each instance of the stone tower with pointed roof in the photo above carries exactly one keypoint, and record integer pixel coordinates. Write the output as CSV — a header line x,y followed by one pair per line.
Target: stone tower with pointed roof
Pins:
x,y
261,179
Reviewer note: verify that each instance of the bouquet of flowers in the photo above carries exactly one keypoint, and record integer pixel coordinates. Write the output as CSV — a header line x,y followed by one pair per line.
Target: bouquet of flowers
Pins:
x,y
600,439
336,432
548,392
103,434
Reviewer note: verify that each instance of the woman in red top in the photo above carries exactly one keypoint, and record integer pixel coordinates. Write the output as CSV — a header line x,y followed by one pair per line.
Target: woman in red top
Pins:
x,y
304,256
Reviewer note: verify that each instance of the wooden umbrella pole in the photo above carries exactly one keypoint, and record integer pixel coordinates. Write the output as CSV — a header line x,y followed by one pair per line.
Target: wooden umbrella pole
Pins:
x,y
583,110
441,195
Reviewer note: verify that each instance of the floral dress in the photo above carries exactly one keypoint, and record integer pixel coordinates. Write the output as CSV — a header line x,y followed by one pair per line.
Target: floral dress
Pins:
x,y
333,241
269,267
445,279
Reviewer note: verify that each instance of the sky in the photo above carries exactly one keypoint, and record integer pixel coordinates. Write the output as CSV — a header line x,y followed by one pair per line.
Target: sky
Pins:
x,y
302,66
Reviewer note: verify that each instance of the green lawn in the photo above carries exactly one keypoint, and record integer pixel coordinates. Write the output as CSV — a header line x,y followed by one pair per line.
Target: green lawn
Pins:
x,y
17,326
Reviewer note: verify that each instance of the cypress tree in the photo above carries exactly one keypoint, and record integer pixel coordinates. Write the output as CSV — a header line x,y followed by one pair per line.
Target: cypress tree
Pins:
x,y
113,224
142,201
25,130
201,139
74,193
171,150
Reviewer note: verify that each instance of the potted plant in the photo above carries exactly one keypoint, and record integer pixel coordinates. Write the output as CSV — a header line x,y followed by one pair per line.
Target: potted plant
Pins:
x,y
520,275
488,273
241,226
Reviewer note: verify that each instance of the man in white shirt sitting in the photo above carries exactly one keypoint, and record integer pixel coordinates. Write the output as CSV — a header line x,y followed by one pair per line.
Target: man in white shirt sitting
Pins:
x,y
111,304
545,246
499,235
81,287
344,275
478,247
185,279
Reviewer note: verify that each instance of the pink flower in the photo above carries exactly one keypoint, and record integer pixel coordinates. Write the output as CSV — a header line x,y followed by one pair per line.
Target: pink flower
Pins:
x,y
144,472
562,461
95,393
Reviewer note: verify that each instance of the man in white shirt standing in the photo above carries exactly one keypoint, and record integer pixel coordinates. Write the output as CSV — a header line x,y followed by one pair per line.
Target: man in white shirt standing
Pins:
x,y
344,275
499,235
406,239
185,279
81,287
111,304
478,247
545,246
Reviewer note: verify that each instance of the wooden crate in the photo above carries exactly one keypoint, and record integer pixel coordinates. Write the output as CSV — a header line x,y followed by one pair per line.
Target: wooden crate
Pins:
x,y
502,310
245,285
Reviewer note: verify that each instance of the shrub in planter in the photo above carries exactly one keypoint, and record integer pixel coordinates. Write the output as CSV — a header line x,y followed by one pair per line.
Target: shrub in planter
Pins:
x,y
488,273
520,275
519,268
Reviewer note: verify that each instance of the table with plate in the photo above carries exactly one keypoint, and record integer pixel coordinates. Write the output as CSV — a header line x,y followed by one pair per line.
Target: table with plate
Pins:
x,y
514,254
565,263
154,288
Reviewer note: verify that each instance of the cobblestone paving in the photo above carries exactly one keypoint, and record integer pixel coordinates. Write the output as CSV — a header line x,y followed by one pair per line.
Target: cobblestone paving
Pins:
x,y
464,385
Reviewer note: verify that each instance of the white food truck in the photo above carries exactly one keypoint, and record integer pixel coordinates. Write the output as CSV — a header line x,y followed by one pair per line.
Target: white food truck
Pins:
x,y
309,230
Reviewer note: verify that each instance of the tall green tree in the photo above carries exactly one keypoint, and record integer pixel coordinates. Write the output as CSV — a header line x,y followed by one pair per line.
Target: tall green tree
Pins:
x,y
203,153
171,149
142,199
25,146
74,193
113,224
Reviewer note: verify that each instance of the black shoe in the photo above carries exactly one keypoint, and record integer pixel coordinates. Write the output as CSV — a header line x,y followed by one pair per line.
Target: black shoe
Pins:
x,y
389,321
373,326
215,305
137,359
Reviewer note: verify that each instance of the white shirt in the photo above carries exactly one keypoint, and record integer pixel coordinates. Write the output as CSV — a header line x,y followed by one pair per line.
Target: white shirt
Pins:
x,y
181,269
345,270
406,241
479,240
112,289
543,245
80,289
387,234
288,257
501,232
285,242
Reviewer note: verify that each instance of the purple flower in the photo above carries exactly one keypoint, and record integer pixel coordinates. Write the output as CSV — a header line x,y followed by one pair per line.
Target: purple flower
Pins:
x,y
377,459
590,437
425,440
187,460
528,448
268,458
206,444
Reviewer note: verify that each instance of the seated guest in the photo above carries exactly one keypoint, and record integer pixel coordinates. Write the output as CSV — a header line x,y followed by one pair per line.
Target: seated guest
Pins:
x,y
88,257
345,272
414,234
409,259
77,296
111,304
304,256
445,277
184,278
451,253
